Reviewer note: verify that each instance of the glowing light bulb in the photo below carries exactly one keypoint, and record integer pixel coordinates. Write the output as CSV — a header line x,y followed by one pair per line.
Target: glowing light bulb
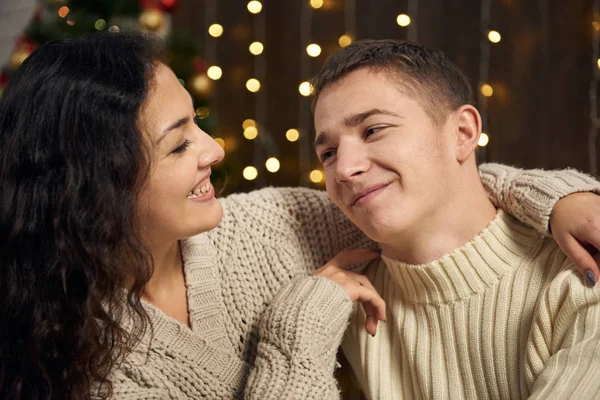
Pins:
x,y
215,30
251,133
63,11
253,85
272,164
487,90
292,135
215,73
494,36
313,50
248,122
484,139
256,48
255,6
316,3
305,88
316,176
250,173
345,40
403,20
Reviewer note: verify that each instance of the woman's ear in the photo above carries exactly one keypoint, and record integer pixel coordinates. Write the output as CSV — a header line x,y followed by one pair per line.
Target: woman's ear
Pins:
x,y
468,130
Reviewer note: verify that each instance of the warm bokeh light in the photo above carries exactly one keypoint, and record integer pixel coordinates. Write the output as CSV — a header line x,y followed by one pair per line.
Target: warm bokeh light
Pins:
x,y
248,122
313,50
100,24
253,85
256,48
220,141
214,72
596,25
250,173
494,36
251,132
202,112
292,135
272,164
598,63
305,88
316,176
316,3
201,84
487,90
484,139
403,20
215,30
254,6
63,11
345,40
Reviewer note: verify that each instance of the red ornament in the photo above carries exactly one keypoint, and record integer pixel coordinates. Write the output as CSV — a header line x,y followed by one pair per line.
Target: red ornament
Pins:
x,y
3,79
167,5
200,65
163,5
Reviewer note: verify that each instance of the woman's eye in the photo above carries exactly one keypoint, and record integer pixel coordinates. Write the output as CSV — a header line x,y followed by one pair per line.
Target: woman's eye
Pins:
x,y
181,149
372,131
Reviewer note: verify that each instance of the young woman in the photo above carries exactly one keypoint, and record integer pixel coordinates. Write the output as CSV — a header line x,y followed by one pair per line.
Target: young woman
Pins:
x,y
121,274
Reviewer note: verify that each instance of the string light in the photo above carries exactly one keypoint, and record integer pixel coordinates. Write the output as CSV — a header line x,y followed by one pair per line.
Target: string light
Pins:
x,y
100,24
316,3
251,133
494,36
250,173
484,139
215,30
255,6
403,20
292,135
70,22
316,176
220,142
305,88
313,50
253,85
202,112
256,48
487,90
63,11
345,40
272,164
215,73
248,122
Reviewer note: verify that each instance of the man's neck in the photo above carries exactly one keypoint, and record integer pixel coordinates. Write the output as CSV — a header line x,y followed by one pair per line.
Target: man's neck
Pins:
x,y
445,229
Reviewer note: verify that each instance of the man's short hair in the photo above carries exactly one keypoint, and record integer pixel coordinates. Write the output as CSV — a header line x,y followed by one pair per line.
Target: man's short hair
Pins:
x,y
422,72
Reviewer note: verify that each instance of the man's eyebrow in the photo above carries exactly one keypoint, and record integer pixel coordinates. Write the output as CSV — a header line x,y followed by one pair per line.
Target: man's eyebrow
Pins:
x,y
177,124
355,120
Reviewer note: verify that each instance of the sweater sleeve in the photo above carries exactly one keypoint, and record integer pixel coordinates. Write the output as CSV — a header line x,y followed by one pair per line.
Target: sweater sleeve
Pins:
x,y
297,220
299,336
530,195
563,353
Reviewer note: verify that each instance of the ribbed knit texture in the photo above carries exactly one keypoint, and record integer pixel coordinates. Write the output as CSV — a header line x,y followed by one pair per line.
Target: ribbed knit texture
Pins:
x,y
506,316
260,327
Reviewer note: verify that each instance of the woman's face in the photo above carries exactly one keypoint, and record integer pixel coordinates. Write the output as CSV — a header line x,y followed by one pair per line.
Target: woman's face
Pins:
x,y
178,200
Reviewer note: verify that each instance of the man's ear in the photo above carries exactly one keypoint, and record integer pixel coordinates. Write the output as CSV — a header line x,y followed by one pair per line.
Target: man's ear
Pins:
x,y
468,130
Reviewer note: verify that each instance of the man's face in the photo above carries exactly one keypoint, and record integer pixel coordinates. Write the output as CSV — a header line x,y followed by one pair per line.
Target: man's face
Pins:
x,y
386,163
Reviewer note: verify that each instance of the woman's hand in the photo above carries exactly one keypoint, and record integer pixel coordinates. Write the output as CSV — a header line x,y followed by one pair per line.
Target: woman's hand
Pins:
x,y
575,224
356,285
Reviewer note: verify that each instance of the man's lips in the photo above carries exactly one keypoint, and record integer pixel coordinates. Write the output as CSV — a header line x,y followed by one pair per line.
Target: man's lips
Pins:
x,y
366,192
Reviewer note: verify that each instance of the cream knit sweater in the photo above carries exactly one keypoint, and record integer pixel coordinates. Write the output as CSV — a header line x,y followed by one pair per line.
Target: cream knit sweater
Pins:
x,y
506,316
261,328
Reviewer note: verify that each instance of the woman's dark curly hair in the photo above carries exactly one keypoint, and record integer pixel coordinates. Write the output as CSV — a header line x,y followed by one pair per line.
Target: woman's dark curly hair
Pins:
x,y
72,163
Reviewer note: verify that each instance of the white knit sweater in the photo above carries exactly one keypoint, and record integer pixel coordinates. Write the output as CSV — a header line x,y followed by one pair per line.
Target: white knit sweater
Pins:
x,y
261,328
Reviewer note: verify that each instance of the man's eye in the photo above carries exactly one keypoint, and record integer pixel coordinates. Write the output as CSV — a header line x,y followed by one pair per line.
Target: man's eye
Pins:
x,y
326,154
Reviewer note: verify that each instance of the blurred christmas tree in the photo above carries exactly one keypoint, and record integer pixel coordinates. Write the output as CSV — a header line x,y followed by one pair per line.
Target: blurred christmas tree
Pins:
x,y
59,19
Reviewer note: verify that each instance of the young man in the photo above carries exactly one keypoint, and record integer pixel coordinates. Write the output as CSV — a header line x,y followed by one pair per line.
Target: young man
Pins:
x,y
478,305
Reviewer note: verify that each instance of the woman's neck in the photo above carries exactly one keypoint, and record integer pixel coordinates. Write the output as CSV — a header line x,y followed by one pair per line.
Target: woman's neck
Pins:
x,y
168,270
